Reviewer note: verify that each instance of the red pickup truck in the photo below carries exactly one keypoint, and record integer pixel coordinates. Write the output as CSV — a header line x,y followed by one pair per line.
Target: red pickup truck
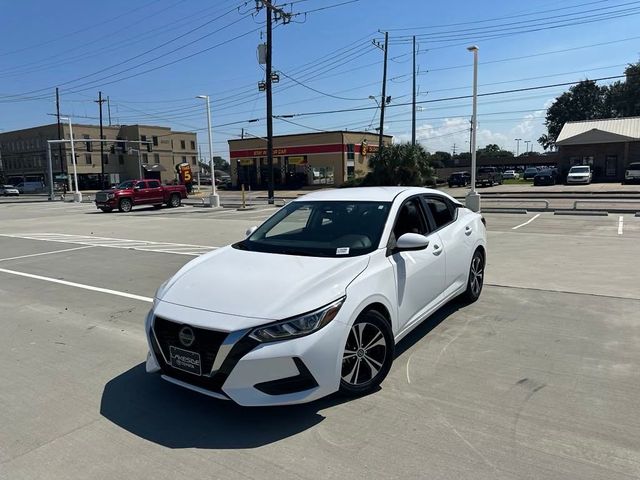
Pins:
x,y
140,192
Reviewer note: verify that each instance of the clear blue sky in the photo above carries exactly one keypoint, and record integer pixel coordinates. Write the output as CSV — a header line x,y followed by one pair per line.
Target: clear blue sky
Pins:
x,y
121,47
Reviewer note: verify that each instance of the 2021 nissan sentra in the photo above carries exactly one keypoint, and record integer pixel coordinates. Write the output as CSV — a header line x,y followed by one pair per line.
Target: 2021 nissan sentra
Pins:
x,y
314,300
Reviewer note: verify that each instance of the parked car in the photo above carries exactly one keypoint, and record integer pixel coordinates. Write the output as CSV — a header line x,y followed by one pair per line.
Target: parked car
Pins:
x,y
355,270
9,191
140,192
459,179
488,176
529,173
632,173
511,175
579,174
545,177
30,187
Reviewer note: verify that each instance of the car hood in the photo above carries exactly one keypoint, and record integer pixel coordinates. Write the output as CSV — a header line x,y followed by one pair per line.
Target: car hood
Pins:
x,y
260,285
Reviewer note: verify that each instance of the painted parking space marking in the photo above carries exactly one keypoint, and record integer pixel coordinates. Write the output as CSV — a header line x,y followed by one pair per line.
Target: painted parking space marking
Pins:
x,y
527,222
620,224
19,257
78,285
140,245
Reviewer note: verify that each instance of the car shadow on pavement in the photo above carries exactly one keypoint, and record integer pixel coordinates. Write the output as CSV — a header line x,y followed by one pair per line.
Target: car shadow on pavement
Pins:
x,y
174,417
426,326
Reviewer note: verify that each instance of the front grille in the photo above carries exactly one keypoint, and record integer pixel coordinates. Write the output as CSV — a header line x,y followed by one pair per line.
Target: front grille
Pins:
x,y
101,197
207,342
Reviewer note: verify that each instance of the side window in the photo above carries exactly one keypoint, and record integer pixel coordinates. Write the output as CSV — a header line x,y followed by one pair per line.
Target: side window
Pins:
x,y
410,219
154,184
440,211
141,185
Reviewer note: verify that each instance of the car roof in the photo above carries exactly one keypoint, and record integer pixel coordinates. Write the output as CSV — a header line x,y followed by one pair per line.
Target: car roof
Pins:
x,y
375,194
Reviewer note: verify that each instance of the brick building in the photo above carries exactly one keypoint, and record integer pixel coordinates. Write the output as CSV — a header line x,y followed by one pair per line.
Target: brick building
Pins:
x,y
23,153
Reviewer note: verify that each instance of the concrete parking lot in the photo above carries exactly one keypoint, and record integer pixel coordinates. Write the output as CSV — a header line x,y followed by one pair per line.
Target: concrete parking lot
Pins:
x,y
538,379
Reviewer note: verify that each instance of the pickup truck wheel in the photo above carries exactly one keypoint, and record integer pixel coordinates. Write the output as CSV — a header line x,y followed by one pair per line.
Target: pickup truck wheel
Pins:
x,y
106,209
175,200
125,205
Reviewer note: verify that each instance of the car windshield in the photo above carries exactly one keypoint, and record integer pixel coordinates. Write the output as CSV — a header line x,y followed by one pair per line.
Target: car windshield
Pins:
x,y
579,170
531,170
125,185
8,186
634,166
485,170
321,229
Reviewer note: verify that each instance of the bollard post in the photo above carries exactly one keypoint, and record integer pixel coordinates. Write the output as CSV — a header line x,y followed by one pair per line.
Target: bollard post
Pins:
x,y
244,205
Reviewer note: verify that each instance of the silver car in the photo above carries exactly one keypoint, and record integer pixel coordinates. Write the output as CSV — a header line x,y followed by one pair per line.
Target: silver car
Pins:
x,y
9,191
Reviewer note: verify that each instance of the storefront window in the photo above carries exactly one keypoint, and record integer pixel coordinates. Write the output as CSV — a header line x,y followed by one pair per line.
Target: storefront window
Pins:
x,y
322,175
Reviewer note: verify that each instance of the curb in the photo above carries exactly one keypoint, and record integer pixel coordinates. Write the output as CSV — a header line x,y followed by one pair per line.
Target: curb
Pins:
x,y
504,210
597,213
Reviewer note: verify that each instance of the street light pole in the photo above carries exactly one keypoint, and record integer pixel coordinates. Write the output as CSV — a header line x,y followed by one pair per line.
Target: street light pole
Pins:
x,y
77,196
214,199
517,140
473,198
527,142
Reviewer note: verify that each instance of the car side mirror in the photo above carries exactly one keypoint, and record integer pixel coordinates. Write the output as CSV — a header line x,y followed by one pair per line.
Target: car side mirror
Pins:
x,y
411,241
250,230
136,187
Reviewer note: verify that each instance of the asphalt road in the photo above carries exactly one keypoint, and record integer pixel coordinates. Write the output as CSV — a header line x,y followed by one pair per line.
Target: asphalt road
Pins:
x,y
538,379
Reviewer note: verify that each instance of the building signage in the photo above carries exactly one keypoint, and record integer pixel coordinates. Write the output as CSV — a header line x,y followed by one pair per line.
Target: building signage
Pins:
x,y
246,161
297,160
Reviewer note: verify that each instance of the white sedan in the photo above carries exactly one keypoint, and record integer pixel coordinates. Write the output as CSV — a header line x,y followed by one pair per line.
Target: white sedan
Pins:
x,y
510,174
315,299
9,190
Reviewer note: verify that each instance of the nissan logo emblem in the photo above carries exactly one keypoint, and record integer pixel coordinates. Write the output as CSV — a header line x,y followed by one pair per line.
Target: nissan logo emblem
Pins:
x,y
186,336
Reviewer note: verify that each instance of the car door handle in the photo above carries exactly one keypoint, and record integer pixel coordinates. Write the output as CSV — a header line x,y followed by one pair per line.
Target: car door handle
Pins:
x,y
468,230
437,249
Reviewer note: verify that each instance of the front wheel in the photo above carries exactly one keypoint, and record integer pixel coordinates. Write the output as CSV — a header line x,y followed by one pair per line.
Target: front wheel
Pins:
x,y
368,354
106,209
476,278
125,205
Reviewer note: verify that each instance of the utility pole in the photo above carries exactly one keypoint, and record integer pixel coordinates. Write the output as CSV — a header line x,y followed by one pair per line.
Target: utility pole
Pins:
x,y
109,109
383,100
454,150
277,12
62,160
100,101
413,106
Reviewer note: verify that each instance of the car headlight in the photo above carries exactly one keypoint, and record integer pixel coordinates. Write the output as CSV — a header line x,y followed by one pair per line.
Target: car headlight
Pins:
x,y
110,196
298,326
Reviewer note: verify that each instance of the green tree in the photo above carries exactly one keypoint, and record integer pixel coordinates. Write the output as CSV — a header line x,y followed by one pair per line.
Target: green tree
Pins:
x,y
400,164
493,151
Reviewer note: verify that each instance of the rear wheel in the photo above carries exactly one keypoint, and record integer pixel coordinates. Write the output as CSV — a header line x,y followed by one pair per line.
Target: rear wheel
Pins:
x,y
125,205
174,200
368,354
476,278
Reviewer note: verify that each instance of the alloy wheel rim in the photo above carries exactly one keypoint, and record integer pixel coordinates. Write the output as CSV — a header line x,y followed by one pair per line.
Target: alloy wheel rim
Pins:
x,y
364,354
477,275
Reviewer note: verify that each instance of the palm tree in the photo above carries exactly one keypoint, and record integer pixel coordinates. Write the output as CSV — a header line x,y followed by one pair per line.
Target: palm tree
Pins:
x,y
400,164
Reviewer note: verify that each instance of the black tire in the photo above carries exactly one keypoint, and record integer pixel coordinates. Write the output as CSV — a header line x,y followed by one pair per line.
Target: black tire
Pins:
x,y
106,209
175,200
368,354
474,287
125,205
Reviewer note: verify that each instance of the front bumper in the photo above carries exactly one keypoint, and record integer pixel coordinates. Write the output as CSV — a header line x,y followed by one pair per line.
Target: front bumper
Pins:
x,y
578,180
260,374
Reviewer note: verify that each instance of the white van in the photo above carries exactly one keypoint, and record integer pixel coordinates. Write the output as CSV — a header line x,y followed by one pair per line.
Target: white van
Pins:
x,y
30,187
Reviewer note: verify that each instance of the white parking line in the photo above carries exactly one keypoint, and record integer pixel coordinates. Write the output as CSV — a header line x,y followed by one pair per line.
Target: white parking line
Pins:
x,y
527,222
620,224
45,253
140,245
78,285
